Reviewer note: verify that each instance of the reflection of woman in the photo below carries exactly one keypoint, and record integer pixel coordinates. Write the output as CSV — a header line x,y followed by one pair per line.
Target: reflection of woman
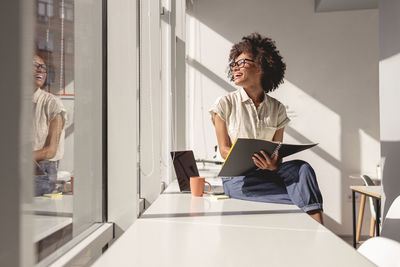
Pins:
x,y
256,66
49,118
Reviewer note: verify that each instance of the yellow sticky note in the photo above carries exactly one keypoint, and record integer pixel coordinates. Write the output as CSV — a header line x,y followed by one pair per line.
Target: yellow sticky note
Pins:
x,y
53,196
221,197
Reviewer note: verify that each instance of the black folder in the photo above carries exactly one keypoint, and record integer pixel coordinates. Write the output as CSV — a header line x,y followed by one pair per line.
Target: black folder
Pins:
x,y
239,160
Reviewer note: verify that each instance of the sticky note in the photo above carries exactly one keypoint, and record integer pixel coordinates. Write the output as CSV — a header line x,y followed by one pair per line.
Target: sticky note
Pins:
x,y
221,197
53,196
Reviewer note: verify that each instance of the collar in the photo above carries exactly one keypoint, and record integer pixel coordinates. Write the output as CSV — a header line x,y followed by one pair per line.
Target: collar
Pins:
x,y
36,95
245,97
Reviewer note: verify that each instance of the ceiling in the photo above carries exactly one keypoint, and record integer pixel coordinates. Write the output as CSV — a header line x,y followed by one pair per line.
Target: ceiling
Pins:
x,y
341,5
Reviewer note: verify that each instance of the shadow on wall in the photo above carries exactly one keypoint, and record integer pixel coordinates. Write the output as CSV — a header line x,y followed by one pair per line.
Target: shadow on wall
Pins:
x,y
211,75
391,175
389,24
325,59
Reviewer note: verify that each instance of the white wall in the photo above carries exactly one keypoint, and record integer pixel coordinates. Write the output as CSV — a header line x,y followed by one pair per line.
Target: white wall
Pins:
x,y
89,138
16,183
331,85
123,122
167,48
151,105
389,95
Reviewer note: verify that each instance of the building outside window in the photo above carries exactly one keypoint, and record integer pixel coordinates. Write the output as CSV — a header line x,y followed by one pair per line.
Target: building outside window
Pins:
x,y
45,10
67,12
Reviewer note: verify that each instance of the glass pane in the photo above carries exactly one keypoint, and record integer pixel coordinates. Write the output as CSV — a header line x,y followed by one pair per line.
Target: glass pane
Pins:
x,y
69,11
50,10
67,122
41,9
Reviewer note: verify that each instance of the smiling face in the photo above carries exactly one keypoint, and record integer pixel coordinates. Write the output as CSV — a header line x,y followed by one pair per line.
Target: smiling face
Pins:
x,y
248,74
39,72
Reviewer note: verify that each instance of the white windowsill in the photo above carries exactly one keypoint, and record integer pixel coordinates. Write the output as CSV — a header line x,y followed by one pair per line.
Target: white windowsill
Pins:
x,y
181,230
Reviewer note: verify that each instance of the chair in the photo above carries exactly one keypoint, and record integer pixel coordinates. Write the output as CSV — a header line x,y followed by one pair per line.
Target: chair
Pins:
x,y
368,182
391,224
382,251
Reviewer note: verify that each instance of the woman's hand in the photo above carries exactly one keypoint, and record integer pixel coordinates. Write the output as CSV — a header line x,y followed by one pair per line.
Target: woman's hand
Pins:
x,y
264,162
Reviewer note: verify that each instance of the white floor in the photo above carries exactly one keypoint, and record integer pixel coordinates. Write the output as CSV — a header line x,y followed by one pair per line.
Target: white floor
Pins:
x,y
181,230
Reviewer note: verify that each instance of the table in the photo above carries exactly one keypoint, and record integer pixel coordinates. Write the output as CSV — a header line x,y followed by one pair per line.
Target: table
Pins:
x,y
181,230
371,191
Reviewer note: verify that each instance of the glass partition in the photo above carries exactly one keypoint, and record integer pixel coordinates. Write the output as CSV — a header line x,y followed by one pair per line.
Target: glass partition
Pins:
x,y
68,125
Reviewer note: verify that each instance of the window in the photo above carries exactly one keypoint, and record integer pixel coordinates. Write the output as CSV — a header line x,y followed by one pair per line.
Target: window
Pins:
x,y
67,11
95,80
68,102
69,45
45,10
45,40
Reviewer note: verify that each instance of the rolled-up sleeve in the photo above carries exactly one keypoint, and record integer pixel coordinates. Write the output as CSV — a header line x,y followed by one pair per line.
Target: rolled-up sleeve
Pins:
x,y
55,107
221,108
283,119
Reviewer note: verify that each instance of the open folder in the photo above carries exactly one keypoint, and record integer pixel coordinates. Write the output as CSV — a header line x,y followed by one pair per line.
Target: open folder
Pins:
x,y
239,160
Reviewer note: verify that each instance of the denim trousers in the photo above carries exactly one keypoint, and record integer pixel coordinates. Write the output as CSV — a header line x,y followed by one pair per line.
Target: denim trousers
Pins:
x,y
293,182
45,184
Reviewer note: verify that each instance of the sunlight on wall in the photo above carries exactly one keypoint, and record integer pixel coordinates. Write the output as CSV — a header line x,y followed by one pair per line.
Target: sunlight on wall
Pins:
x,y
369,159
190,81
201,36
389,98
313,120
202,138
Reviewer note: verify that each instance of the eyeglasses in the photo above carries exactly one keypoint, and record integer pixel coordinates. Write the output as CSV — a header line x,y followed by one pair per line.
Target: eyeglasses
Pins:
x,y
240,63
40,67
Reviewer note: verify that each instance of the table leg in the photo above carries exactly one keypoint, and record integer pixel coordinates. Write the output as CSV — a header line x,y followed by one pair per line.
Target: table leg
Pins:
x,y
378,215
372,227
360,217
353,196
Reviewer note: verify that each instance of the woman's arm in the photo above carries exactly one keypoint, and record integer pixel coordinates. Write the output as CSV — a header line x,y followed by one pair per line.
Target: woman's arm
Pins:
x,y
224,142
53,137
278,137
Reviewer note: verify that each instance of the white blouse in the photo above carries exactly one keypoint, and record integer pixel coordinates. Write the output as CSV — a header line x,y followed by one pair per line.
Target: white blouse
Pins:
x,y
244,120
46,107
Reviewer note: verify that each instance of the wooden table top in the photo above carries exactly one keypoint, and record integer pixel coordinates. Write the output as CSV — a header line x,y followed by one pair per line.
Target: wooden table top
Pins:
x,y
372,191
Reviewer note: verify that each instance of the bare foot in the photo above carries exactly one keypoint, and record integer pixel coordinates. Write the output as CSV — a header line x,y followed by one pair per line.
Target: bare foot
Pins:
x,y
316,215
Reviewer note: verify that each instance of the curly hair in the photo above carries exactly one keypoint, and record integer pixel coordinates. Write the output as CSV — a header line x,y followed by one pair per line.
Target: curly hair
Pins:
x,y
266,56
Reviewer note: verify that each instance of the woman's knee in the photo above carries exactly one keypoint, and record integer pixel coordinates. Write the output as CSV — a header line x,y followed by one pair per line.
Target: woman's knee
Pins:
x,y
305,166
297,165
307,172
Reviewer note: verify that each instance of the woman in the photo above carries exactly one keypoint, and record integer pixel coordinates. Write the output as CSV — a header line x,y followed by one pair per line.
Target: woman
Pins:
x,y
256,66
49,119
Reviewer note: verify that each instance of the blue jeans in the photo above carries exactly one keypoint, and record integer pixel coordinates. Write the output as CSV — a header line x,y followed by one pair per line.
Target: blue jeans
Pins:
x,y
294,182
45,184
